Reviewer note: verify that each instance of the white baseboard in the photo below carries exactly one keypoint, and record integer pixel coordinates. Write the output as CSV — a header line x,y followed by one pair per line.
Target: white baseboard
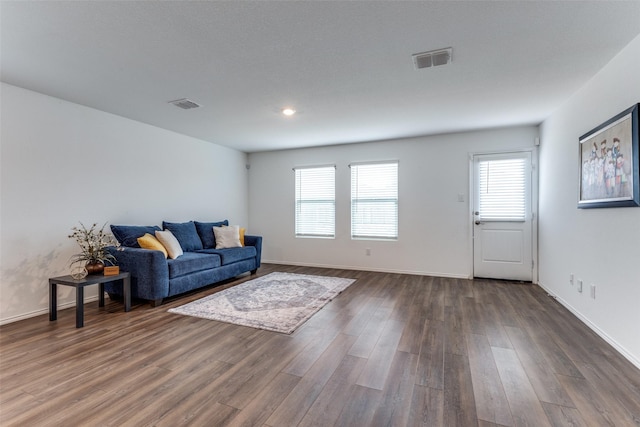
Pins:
x,y
42,311
377,270
616,345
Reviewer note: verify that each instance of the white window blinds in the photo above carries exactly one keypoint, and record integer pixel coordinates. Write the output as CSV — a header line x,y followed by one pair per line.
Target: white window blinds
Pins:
x,y
315,201
502,191
374,200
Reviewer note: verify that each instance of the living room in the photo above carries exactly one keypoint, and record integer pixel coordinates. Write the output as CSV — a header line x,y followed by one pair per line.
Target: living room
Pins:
x,y
64,162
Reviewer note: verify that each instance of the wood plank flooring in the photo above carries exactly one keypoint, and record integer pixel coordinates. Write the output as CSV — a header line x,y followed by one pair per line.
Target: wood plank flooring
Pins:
x,y
392,350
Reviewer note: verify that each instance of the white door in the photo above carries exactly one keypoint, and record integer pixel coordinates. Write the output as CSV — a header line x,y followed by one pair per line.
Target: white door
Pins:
x,y
502,216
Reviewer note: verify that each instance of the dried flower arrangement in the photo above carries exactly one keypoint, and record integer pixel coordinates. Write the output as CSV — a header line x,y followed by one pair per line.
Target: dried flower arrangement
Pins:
x,y
93,242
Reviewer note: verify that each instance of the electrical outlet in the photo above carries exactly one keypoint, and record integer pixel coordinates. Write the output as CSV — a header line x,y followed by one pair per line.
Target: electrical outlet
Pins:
x,y
593,291
367,251
579,285
571,278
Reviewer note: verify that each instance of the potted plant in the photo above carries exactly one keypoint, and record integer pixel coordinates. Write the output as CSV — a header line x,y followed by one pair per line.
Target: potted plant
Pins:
x,y
93,242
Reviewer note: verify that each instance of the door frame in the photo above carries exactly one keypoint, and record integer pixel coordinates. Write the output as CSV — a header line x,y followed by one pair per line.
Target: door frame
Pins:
x,y
534,204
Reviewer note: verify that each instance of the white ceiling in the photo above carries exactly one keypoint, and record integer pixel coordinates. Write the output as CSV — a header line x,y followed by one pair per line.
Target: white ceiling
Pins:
x,y
344,65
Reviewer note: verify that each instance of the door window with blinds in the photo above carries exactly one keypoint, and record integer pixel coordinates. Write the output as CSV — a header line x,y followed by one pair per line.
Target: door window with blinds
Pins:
x,y
502,190
374,200
315,201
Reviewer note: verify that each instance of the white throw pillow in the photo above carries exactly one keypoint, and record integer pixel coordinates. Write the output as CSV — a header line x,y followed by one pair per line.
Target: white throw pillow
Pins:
x,y
227,237
170,243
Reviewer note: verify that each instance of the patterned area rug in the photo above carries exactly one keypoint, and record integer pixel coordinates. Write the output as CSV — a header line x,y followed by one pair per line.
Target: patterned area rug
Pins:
x,y
277,302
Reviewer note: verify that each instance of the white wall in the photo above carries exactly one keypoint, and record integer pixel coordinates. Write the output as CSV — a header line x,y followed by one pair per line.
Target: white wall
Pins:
x,y
63,163
434,227
599,246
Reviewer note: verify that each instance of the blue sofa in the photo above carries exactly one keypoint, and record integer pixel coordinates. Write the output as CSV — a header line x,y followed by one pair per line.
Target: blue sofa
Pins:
x,y
154,277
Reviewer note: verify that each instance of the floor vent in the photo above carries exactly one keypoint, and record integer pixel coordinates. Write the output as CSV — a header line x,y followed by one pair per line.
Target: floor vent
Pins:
x,y
184,103
433,58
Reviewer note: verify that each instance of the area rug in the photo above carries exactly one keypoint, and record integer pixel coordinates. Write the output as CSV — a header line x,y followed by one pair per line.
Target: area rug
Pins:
x,y
277,302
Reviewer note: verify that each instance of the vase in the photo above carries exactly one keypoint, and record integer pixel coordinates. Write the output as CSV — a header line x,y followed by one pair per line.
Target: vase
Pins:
x,y
94,267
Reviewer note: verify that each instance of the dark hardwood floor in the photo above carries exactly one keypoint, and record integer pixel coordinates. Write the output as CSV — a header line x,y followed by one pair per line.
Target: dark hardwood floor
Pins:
x,y
391,350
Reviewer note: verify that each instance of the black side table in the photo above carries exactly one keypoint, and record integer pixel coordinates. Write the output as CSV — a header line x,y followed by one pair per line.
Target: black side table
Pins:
x,y
80,284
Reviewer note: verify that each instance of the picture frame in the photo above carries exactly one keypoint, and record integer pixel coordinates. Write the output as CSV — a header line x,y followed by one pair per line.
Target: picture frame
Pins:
x,y
609,168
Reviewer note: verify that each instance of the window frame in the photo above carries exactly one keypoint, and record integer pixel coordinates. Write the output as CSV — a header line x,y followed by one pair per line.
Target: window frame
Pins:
x,y
299,202
357,232
491,207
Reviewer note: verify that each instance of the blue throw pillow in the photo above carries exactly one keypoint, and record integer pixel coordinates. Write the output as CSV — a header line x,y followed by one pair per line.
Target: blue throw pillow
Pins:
x,y
128,235
186,234
205,230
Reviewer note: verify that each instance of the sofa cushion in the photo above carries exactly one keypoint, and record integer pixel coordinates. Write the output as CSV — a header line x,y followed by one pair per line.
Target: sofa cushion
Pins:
x,y
127,235
243,231
192,262
227,237
151,242
171,244
231,255
186,234
205,231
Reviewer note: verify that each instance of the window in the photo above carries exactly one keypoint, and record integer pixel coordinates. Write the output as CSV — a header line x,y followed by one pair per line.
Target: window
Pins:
x,y
374,200
316,201
502,189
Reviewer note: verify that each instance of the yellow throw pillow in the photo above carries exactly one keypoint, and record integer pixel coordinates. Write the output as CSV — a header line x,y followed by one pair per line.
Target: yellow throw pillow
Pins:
x,y
242,231
150,242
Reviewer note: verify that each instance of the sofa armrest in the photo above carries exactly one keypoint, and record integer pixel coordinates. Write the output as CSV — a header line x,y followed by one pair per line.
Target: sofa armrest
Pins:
x,y
255,241
149,271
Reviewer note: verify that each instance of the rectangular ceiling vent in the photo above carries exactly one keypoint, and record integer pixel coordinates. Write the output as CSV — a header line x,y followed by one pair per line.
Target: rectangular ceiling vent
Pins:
x,y
433,58
184,103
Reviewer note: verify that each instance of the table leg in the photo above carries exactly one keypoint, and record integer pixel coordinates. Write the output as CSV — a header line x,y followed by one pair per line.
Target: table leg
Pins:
x,y
79,307
126,290
53,301
100,294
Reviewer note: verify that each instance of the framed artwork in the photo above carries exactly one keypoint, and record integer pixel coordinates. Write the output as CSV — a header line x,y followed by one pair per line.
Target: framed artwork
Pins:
x,y
610,163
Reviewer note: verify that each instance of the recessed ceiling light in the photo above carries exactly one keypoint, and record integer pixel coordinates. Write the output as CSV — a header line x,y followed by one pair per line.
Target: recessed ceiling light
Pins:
x,y
288,111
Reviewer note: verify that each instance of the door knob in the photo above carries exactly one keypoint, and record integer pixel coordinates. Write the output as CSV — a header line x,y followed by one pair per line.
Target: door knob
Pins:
x,y
478,222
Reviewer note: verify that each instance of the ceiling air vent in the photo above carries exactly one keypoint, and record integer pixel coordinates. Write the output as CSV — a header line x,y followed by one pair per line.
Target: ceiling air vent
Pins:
x,y
432,58
184,103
